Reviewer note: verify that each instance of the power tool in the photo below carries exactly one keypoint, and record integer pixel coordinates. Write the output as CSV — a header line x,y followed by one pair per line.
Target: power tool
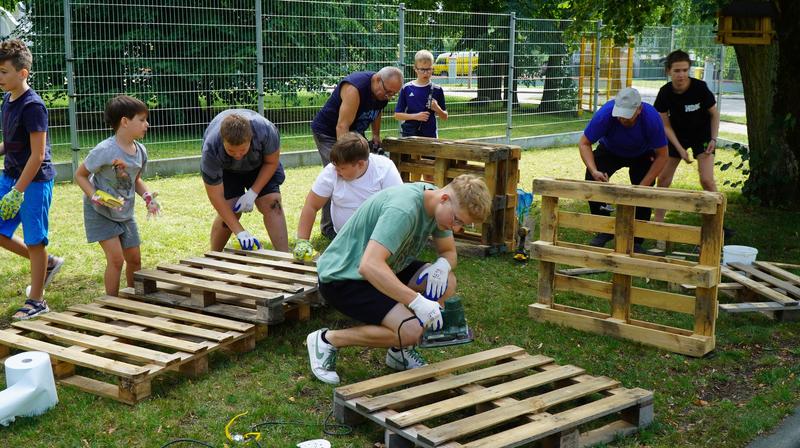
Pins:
x,y
454,329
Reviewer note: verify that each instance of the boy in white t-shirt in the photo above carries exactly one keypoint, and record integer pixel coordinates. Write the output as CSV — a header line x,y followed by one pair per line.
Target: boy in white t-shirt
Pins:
x,y
350,179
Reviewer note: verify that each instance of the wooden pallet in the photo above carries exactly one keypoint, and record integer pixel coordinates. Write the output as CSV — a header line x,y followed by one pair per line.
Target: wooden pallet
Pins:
x,y
444,160
259,286
624,264
123,344
762,287
497,398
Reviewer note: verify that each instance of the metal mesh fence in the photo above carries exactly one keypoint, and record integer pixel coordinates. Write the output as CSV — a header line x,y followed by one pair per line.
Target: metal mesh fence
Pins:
x,y
189,59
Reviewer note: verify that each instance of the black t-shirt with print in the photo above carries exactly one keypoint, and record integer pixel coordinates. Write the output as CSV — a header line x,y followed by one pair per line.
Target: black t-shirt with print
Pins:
x,y
688,111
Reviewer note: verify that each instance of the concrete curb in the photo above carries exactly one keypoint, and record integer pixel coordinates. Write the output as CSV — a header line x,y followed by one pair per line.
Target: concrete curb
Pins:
x,y
786,435
190,165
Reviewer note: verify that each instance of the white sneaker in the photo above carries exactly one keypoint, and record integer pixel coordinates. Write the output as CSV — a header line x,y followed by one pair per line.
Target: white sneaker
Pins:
x,y
404,359
322,357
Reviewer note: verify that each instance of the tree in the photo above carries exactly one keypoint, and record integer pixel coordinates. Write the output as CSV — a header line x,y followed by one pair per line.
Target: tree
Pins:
x,y
771,91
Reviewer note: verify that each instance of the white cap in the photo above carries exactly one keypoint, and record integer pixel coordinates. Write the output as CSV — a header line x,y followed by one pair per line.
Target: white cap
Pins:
x,y
626,102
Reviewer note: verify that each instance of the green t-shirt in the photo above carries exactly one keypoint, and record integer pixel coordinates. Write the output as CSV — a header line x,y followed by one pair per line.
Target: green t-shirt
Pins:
x,y
395,218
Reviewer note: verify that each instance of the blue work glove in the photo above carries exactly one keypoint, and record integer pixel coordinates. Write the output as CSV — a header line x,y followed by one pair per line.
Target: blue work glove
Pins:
x,y
247,241
437,274
427,311
11,203
245,202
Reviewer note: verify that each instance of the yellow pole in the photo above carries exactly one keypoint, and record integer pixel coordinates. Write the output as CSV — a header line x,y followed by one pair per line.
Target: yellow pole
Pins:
x,y
629,75
609,62
591,75
580,76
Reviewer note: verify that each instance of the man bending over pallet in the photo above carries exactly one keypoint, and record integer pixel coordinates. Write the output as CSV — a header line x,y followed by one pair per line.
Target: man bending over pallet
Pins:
x,y
241,168
630,134
370,271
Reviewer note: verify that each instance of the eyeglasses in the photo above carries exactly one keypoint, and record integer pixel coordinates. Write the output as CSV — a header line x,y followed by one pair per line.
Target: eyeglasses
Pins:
x,y
423,70
456,222
388,93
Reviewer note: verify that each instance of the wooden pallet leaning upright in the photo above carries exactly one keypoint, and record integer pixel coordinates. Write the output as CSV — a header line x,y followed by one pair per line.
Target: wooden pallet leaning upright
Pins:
x,y
501,397
624,264
446,159
259,286
115,347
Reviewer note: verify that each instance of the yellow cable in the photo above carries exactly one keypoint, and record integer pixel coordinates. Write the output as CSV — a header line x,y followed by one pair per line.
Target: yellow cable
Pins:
x,y
249,435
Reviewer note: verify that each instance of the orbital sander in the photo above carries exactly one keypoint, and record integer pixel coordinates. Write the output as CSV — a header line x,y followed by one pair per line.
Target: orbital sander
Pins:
x,y
454,329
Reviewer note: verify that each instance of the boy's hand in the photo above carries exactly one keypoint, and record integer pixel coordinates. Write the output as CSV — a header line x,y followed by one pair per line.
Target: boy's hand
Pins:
x,y
11,203
422,116
245,202
303,251
435,107
103,199
153,207
247,241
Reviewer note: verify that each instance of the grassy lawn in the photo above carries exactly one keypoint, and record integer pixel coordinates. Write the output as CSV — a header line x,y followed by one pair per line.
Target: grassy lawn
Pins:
x,y
740,119
744,388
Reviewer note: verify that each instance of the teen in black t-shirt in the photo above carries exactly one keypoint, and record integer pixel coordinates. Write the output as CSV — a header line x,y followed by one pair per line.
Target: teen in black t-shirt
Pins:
x,y
691,120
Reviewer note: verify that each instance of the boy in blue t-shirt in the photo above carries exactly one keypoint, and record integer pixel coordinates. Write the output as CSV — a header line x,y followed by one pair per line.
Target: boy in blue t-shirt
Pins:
x,y
421,101
26,185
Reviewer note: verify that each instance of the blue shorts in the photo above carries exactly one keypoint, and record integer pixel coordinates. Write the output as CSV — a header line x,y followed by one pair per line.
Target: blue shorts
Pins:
x,y
34,213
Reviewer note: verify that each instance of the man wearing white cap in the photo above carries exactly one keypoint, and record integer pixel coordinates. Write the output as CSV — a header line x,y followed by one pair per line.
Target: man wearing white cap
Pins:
x,y
629,134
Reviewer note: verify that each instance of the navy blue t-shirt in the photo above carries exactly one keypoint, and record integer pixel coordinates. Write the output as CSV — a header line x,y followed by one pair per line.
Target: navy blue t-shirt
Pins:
x,y
414,98
20,117
647,134
368,107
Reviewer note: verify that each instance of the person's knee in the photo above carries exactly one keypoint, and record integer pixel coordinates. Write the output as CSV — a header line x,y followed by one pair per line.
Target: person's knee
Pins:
x,y
115,261
707,182
134,261
271,204
410,333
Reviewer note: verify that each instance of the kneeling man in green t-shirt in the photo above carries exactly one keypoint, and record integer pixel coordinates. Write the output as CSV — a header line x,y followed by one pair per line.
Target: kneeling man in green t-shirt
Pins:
x,y
370,271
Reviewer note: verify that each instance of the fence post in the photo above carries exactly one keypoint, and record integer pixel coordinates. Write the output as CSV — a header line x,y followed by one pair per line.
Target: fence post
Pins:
x,y
73,116
671,38
512,37
598,39
401,46
260,57
718,75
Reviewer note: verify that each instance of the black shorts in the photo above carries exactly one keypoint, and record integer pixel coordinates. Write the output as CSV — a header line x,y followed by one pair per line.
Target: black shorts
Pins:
x,y
697,149
362,301
236,183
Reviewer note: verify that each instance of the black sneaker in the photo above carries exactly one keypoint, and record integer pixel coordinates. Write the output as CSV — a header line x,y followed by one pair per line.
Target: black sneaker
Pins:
x,y
601,239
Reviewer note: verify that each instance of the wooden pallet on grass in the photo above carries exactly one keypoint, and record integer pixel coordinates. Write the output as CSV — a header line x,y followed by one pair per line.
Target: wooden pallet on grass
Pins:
x,y
763,287
123,344
259,286
496,398
625,265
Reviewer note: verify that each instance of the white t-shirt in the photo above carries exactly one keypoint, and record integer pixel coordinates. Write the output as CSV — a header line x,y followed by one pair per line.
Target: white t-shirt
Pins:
x,y
347,196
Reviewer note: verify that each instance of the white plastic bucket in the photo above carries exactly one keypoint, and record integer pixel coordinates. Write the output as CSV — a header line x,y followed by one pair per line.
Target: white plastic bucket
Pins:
x,y
739,254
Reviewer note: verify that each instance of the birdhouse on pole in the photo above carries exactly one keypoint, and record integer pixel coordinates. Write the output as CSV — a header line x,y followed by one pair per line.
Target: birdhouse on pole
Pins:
x,y
746,22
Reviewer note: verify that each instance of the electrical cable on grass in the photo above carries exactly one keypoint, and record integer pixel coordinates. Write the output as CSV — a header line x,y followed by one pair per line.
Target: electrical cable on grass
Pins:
x,y
192,441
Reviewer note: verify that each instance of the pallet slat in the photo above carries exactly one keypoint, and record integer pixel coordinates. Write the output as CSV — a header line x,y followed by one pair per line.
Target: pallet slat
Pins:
x,y
173,313
272,272
206,285
253,271
758,288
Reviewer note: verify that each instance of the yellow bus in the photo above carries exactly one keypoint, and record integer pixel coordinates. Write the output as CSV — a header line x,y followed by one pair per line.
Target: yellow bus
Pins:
x,y
465,61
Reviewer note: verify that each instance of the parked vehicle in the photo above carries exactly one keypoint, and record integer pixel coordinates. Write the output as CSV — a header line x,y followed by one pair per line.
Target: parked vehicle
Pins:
x,y
465,61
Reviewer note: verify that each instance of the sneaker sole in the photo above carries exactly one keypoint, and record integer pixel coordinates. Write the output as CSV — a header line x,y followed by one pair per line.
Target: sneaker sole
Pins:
x,y
52,274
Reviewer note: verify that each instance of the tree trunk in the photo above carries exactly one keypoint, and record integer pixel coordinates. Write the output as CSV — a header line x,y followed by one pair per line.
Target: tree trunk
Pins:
x,y
772,97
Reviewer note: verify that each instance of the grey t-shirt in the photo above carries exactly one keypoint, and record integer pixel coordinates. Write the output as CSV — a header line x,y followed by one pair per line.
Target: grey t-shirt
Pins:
x,y
266,141
115,171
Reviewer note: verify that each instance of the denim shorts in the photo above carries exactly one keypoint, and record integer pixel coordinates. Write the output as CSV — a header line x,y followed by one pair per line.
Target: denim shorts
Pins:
x,y
33,214
100,228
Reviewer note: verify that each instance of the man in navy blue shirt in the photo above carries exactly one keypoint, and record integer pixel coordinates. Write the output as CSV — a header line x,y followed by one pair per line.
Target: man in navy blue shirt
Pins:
x,y
355,104
630,134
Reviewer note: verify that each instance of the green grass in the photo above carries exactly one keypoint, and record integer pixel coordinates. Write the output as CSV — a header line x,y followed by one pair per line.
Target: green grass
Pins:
x,y
745,388
740,119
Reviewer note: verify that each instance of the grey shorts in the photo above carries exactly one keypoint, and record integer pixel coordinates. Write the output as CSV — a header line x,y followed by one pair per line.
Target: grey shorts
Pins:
x,y
324,144
100,228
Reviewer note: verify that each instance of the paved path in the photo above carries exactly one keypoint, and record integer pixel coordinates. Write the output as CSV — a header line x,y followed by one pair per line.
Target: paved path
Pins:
x,y
787,435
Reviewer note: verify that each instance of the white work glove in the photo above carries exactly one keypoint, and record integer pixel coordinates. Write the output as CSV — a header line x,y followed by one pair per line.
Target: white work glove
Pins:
x,y
437,274
427,312
245,202
247,241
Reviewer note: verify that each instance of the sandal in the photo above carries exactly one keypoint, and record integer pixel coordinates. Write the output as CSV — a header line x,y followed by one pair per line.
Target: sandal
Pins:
x,y
32,308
